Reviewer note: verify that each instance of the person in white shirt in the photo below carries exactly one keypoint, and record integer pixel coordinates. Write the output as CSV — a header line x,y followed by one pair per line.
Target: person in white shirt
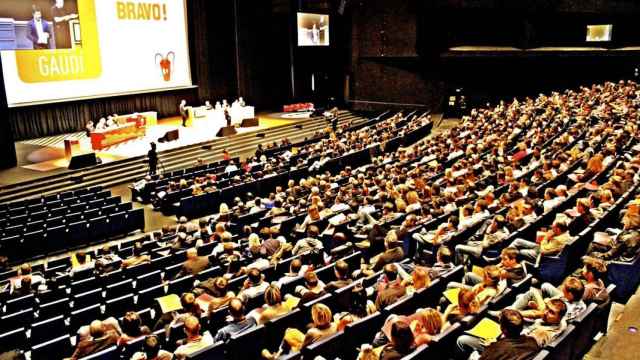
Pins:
x,y
231,167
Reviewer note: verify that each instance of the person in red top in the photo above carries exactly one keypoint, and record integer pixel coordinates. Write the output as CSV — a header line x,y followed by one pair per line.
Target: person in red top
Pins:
x,y
226,155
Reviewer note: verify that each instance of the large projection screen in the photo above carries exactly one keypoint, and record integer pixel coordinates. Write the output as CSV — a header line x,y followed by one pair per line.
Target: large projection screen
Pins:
x,y
64,50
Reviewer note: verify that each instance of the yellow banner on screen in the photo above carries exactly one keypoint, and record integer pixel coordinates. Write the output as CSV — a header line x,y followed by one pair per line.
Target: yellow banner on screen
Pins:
x,y
37,66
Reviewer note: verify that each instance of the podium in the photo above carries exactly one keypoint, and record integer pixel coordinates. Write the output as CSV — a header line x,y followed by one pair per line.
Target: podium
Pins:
x,y
71,146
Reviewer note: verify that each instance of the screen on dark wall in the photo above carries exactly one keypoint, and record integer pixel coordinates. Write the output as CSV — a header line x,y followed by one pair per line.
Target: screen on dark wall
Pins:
x,y
313,29
599,33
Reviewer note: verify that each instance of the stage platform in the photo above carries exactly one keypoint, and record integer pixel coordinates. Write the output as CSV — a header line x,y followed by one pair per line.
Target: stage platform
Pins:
x,y
42,167
45,156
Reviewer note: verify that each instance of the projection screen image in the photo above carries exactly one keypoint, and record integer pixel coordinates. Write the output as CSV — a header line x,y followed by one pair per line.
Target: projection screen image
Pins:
x,y
63,50
313,29
596,33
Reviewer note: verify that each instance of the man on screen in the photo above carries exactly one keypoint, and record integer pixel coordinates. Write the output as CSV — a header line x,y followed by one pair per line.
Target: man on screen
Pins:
x,y
39,30
61,17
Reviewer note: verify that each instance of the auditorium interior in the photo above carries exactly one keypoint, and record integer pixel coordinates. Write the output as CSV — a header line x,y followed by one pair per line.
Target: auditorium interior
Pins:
x,y
319,179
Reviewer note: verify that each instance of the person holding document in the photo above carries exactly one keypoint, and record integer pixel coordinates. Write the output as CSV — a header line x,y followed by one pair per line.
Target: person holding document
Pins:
x,y
39,30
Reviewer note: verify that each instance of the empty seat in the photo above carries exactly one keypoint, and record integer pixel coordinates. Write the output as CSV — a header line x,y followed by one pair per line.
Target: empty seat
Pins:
x,y
83,316
119,289
87,298
111,353
135,219
99,228
117,224
181,285
149,280
51,309
85,285
14,339
118,306
48,329
147,297
21,303
57,348
78,233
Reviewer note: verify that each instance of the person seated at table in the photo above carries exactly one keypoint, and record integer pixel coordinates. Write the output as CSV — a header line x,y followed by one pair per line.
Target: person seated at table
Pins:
x,y
89,127
102,124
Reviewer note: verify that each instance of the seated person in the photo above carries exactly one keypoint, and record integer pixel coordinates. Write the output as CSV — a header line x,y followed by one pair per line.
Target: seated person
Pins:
x,y
592,275
294,340
310,243
194,264
443,264
390,289
100,338
296,269
510,269
393,252
194,341
253,286
439,235
218,289
533,303
624,246
273,307
132,328
137,258
467,305
543,330
313,288
151,350
485,287
341,272
551,243
511,344
492,232
419,280
424,324
401,344
358,308
238,324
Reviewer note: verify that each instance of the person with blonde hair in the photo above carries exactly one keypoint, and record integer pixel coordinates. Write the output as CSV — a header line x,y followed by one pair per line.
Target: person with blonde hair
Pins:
x,y
419,280
294,340
274,305
413,201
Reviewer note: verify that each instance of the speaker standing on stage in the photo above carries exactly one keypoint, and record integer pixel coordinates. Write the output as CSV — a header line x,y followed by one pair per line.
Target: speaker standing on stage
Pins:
x,y
183,112
152,156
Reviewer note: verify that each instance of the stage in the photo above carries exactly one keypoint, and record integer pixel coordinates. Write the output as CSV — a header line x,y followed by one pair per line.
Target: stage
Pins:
x,y
45,156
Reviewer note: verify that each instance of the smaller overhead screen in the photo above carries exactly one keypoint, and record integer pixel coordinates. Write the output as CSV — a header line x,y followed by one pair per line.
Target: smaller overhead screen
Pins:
x,y
599,33
313,29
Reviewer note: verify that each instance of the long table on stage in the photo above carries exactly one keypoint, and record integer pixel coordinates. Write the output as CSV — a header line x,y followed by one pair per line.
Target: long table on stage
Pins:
x,y
216,117
132,126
